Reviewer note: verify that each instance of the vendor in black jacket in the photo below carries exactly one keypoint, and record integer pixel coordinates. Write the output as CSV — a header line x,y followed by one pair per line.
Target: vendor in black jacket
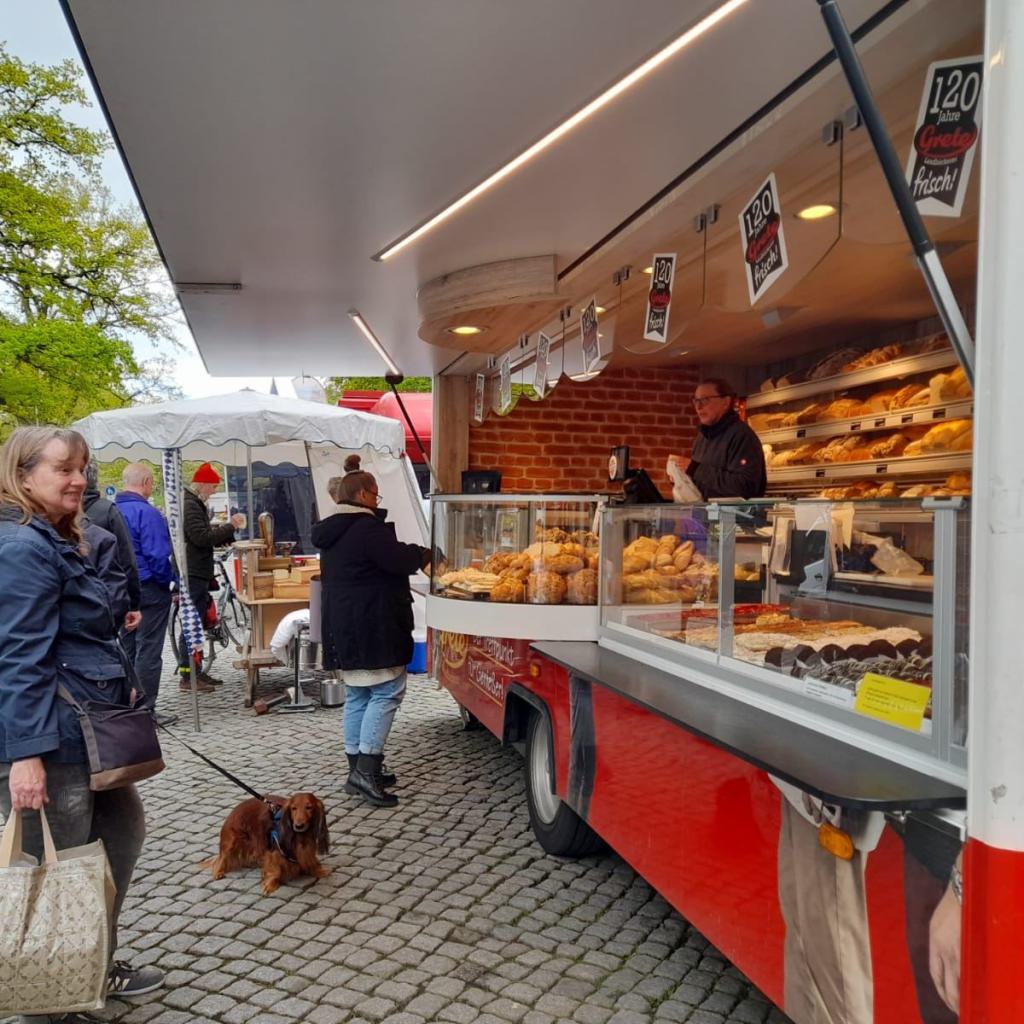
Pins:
x,y
367,622
727,460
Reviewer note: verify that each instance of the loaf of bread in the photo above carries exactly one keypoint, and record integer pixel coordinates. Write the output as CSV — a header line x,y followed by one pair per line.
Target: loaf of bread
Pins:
x,y
881,401
889,447
842,409
958,483
652,596
903,396
497,563
876,357
562,564
944,436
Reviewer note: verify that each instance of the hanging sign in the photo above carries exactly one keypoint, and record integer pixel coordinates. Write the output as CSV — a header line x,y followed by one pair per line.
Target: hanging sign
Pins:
x,y
505,388
946,138
478,397
588,334
663,269
764,243
540,379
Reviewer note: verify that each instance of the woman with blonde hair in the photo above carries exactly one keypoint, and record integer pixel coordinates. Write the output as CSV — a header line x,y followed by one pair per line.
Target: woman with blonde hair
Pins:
x,y
56,627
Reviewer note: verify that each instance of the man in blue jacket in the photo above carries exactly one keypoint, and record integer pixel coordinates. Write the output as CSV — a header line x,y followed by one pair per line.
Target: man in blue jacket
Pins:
x,y
151,540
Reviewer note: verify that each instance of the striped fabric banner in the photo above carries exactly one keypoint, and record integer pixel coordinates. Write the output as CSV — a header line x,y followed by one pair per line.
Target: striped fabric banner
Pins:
x,y
191,624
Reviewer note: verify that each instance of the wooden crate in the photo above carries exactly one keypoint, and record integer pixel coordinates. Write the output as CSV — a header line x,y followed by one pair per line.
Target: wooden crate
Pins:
x,y
263,585
269,564
292,591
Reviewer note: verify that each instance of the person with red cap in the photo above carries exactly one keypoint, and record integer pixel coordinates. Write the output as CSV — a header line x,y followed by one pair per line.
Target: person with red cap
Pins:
x,y
201,537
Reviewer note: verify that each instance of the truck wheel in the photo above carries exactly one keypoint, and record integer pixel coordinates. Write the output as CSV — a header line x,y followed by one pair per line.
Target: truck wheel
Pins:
x,y
558,828
470,723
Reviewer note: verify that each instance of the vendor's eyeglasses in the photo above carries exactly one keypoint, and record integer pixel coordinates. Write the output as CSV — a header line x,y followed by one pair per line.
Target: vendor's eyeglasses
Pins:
x,y
375,495
699,403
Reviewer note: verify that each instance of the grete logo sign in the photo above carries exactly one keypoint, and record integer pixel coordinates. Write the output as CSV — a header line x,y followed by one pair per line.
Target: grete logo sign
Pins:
x,y
946,137
764,241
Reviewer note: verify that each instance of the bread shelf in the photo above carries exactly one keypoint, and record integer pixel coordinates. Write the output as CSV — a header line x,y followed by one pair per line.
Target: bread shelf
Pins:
x,y
893,370
921,416
876,469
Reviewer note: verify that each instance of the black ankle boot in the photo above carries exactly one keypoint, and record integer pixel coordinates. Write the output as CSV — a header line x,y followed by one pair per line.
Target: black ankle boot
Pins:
x,y
387,779
365,781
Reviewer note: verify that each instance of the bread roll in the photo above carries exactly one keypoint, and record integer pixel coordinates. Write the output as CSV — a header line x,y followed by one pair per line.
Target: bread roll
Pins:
x,y
545,588
582,587
651,595
509,591
543,550
499,562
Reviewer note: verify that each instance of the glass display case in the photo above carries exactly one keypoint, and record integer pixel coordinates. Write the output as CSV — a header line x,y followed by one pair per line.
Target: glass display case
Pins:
x,y
853,613
500,562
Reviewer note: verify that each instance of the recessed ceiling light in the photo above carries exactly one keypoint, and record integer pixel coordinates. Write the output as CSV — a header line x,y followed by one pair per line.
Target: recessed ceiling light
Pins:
x,y
599,310
819,211
465,329
648,270
634,76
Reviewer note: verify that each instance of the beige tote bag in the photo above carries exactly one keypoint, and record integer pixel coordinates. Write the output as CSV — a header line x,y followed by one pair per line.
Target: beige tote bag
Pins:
x,y
55,925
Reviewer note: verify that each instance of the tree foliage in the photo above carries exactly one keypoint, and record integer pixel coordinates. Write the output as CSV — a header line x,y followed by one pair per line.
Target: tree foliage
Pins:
x,y
335,386
79,277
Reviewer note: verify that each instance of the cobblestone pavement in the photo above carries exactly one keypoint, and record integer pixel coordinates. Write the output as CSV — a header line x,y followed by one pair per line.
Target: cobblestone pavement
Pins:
x,y
444,909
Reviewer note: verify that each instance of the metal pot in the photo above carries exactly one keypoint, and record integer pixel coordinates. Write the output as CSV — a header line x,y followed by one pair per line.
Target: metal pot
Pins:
x,y
332,693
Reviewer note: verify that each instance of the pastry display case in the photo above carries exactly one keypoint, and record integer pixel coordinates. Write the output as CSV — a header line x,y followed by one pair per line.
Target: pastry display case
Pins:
x,y
851,616
517,566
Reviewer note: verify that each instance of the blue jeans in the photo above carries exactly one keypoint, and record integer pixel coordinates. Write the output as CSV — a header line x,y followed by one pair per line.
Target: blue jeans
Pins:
x,y
369,712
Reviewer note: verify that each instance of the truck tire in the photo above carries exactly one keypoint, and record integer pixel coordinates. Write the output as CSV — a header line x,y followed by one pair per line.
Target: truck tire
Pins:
x,y
558,828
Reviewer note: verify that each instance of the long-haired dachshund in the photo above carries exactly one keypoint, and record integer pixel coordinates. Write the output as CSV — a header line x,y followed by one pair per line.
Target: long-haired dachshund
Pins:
x,y
282,837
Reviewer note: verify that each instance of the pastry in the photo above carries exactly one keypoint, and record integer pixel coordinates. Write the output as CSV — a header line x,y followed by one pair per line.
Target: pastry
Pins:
x,y
639,580
958,483
509,590
562,564
574,549
683,555
545,588
497,563
555,535
881,401
582,587
649,595
593,560
470,579
666,548
543,550
514,572
917,491
635,563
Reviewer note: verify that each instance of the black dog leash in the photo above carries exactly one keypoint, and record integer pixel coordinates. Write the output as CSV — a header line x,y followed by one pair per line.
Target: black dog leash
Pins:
x,y
213,764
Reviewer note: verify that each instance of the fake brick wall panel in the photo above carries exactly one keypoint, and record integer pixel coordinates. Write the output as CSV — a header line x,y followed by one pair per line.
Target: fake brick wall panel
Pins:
x,y
563,443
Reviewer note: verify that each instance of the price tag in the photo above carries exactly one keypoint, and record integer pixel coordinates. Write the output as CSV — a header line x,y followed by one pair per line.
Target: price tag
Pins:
x,y
540,379
764,241
663,269
478,397
893,700
946,138
505,382
588,333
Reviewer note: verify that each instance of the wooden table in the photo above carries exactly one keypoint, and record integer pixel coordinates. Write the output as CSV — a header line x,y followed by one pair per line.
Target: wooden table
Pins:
x,y
265,615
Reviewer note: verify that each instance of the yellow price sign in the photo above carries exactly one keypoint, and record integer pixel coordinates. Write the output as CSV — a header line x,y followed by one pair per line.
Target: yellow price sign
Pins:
x,y
893,700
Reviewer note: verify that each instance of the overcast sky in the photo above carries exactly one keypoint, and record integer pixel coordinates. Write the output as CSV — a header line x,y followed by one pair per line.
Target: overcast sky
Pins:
x,y
35,31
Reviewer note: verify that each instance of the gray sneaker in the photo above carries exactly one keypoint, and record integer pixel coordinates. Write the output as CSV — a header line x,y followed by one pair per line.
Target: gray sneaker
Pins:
x,y
126,981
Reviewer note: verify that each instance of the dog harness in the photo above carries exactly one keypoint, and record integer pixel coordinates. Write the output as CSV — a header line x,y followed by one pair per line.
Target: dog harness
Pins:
x,y
274,839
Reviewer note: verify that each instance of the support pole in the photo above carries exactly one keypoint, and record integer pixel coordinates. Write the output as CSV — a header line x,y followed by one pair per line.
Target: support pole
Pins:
x,y
251,517
927,258
413,431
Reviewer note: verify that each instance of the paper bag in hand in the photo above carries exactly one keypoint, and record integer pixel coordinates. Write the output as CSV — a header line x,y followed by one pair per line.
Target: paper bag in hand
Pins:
x,y
684,490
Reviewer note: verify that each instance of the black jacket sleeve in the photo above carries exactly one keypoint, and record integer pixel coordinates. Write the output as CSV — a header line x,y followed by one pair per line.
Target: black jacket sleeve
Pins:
x,y
744,474
126,556
391,555
200,531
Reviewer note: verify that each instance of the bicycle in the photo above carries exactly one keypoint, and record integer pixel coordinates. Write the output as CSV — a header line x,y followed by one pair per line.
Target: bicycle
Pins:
x,y
227,625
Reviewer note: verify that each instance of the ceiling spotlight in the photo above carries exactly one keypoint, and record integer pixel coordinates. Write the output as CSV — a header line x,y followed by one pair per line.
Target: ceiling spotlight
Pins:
x,y
599,310
819,211
665,53
364,329
648,270
466,329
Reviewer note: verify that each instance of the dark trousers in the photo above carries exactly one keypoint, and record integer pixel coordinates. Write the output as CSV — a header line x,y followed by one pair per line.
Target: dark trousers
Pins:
x,y
145,645
199,591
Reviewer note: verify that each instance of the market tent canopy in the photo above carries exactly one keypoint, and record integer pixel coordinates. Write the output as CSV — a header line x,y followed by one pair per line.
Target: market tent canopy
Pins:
x,y
421,412
225,426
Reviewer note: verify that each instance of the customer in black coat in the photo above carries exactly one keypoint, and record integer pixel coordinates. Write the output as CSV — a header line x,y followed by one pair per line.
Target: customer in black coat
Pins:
x,y
367,622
